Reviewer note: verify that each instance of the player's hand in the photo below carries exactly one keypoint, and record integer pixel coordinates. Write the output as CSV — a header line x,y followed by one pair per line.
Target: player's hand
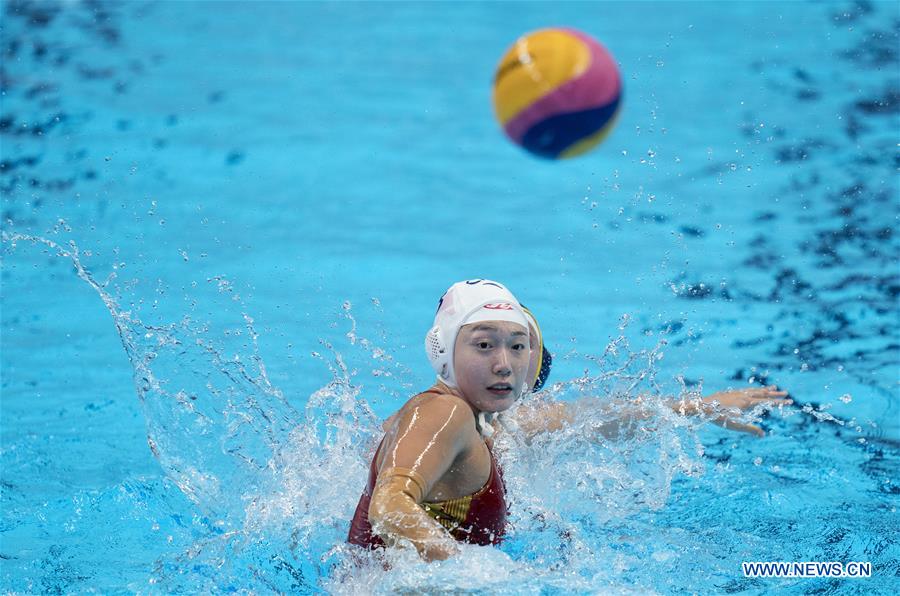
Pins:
x,y
725,407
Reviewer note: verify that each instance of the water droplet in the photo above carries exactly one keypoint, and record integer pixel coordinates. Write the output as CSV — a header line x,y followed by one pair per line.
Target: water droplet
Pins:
x,y
758,461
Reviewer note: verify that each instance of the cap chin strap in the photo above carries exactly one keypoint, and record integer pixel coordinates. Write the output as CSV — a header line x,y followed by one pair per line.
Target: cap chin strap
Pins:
x,y
485,426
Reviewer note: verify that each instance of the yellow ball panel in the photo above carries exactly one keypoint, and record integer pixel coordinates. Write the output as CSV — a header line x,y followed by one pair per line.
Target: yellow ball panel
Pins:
x,y
534,66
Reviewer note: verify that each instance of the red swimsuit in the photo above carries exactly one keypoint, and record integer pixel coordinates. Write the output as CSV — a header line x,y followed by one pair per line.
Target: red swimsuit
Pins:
x,y
479,518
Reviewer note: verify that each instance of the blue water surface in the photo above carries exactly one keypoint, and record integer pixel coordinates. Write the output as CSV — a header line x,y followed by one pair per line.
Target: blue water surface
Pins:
x,y
226,226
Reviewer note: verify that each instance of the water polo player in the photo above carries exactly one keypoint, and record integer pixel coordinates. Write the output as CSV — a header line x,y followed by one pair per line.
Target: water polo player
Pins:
x,y
434,480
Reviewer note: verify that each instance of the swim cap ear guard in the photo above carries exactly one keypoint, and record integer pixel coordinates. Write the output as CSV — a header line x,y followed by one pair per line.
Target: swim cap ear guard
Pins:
x,y
544,372
438,353
544,359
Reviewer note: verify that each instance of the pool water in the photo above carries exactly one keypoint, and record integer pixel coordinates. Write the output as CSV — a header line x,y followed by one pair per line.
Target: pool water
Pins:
x,y
226,225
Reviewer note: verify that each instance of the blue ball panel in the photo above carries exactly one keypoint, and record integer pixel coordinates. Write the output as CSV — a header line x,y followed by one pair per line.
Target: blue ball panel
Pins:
x,y
551,136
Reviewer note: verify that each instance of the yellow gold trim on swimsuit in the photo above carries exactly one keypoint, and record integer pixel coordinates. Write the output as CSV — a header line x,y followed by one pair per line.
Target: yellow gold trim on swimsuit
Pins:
x,y
451,513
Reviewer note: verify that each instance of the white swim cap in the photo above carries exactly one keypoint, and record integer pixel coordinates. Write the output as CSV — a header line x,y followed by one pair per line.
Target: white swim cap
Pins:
x,y
467,302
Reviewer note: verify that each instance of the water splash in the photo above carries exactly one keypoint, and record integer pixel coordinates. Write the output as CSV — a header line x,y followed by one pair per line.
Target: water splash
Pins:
x,y
276,485
259,471
214,419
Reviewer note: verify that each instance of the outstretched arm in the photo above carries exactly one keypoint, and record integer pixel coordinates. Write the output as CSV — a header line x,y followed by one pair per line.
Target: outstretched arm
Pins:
x,y
617,418
723,408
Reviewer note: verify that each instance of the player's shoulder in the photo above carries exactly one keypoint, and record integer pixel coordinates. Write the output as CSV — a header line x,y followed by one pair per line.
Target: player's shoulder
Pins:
x,y
437,406
438,400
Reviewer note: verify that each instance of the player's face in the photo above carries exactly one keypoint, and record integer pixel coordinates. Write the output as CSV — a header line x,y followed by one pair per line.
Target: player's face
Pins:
x,y
491,361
